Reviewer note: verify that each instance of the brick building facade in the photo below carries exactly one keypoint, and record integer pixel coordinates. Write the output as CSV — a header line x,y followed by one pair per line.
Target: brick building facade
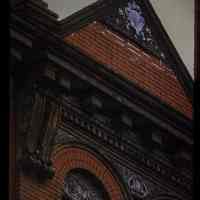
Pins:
x,y
101,105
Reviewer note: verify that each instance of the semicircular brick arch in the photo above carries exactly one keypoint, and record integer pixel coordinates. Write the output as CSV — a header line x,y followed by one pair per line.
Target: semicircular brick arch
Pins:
x,y
66,159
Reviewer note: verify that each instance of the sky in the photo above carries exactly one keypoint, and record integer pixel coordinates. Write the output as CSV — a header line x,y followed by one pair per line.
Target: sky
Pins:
x,y
177,17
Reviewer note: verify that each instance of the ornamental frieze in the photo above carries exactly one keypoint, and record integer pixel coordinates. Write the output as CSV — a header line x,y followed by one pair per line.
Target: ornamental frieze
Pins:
x,y
96,129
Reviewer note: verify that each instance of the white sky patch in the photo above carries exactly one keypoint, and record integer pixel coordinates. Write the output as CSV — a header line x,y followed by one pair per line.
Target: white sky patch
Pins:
x,y
177,17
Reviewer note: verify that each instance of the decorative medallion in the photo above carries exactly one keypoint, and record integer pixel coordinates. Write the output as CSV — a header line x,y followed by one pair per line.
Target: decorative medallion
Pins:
x,y
129,18
136,184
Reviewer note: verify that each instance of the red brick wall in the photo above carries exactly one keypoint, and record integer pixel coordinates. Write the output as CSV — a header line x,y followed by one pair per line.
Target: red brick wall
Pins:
x,y
125,59
66,159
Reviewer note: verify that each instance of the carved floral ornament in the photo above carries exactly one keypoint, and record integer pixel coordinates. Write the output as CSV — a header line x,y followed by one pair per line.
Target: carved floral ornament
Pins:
x,y
137,186
129,19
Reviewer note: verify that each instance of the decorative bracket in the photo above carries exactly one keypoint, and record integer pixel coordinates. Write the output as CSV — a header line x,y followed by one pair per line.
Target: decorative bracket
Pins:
x,y
39,133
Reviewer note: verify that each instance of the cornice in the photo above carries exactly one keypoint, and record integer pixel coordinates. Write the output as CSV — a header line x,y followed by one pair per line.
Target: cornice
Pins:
x,y
95,131
121,87
71,114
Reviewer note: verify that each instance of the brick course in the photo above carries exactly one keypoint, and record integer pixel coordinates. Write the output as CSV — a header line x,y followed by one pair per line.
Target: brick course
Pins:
x,y
124,58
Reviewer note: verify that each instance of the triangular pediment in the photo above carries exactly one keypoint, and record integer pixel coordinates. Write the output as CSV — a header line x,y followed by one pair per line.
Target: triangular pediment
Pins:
x,y
130,64
135,27
137,21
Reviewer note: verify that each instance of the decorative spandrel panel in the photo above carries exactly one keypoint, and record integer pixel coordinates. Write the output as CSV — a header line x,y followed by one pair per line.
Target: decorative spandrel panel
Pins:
x,y
137,186
129,18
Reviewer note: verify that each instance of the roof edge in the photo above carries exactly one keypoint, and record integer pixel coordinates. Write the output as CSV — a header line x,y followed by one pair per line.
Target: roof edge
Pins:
x,y
181,70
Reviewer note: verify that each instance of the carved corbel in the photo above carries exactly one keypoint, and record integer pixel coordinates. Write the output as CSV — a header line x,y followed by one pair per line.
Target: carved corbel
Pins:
x,y
36,124
40,132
